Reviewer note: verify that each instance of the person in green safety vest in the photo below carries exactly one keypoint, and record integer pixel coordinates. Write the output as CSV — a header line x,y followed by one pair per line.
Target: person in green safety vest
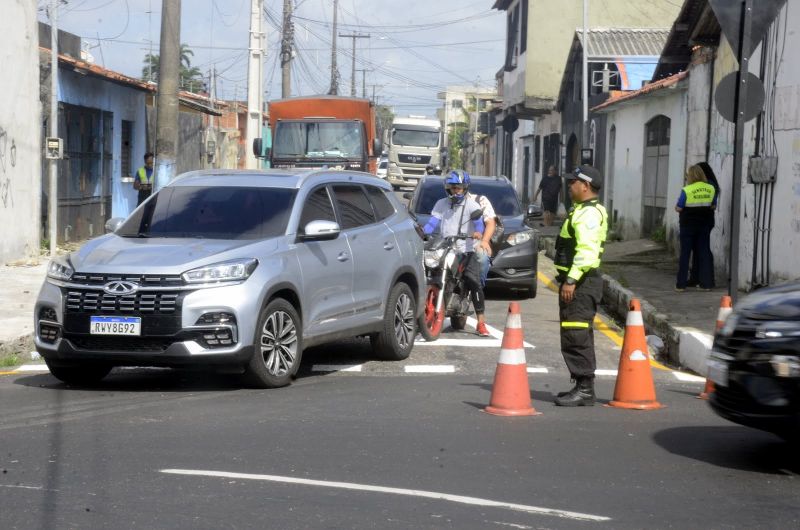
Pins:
x,y
579,248
695,208
143,180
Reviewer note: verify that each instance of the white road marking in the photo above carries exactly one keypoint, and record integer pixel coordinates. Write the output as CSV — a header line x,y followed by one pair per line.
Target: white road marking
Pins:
x,y
681,376
605,372
475,501
430,369
537,370
337,367
33,368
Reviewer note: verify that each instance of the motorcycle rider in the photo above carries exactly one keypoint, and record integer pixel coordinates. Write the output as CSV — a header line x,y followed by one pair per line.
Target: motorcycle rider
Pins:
x,y
453,213
430,169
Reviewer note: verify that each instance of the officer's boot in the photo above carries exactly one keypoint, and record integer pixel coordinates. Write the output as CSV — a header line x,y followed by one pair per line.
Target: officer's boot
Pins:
x,y
575,387
580,396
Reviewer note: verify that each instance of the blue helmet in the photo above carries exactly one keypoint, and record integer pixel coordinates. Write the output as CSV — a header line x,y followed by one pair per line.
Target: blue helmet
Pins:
x,y
457,177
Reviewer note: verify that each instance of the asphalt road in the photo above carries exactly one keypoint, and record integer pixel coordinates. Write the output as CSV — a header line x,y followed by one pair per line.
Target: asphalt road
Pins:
x,y
356,443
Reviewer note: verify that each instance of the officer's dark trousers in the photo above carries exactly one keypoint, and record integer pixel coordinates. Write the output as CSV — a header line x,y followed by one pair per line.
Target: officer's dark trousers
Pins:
x,y
577,336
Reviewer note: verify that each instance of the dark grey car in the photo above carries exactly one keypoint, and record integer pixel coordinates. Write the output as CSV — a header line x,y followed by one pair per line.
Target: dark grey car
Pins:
x,y
242,269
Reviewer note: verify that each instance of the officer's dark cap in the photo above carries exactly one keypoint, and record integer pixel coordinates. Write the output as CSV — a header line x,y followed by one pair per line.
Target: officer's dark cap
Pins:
x,y
587,174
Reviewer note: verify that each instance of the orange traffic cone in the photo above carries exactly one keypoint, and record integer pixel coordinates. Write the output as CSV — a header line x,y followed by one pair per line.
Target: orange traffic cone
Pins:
x,y
511,394
725,308
634,388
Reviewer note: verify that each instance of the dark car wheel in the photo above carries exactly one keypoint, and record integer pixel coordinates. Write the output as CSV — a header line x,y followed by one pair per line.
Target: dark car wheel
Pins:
x,y
278,346
77,374
431,321
395,341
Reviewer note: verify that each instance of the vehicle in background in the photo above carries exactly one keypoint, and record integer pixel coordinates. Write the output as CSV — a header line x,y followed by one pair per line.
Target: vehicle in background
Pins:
x,y
324,131
240,270
412,144
515,246
755,362
382,166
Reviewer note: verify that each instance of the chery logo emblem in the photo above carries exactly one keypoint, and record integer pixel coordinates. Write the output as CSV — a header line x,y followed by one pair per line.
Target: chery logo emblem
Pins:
x,y
121,288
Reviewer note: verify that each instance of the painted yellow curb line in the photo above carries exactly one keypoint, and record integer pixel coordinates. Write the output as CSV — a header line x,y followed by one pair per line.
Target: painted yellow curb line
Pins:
x,y
7,373
601,324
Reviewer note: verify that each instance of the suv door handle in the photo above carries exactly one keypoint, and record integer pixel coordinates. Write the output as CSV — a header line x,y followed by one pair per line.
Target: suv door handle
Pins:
x,y
388,246
343,256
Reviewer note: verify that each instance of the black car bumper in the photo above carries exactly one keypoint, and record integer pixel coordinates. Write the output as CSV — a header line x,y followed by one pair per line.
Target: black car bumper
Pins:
x,y
515,267
763,402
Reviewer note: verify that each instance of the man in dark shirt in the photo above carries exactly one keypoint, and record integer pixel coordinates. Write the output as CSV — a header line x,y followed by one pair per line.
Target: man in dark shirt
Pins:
x,y
550,188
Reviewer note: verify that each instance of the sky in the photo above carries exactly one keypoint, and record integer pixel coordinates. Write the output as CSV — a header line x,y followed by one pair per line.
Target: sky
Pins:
x,y
415,48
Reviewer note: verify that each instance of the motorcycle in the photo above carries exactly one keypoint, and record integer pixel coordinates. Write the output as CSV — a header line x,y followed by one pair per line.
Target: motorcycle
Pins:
x,y
447,293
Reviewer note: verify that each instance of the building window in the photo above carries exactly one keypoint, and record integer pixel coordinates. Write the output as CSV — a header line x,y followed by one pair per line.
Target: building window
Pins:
x,y
457,103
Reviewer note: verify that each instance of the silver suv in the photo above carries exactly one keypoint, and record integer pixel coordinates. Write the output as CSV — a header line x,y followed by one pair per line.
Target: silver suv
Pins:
x,y
237,268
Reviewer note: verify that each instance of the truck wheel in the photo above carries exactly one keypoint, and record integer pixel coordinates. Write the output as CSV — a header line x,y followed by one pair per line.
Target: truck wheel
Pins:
x,y
78,374
278,346
396,338
431,321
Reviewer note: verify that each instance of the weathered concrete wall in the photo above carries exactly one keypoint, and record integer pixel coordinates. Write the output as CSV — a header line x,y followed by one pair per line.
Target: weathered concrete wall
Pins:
x,y
20,127
126,104
551,28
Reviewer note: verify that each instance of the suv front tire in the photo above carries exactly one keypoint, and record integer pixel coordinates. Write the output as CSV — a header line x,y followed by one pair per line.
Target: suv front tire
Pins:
x,y
278,346
395,341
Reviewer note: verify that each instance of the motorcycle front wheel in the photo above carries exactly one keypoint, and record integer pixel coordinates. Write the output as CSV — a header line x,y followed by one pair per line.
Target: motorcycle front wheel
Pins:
x,y
431,321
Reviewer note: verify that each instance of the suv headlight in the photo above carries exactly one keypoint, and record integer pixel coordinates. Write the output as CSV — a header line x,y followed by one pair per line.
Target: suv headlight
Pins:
x,y
227,271
518,238
60,269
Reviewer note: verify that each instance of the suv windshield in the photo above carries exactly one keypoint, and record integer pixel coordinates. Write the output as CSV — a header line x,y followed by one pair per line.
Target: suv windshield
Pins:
x,y
413,137
217,212
317,140
501,194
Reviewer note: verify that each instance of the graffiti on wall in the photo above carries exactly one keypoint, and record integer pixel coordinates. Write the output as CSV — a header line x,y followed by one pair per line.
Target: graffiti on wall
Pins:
x,y
8,159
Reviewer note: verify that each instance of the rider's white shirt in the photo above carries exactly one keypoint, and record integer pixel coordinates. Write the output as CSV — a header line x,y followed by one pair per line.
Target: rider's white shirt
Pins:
x,y
450,215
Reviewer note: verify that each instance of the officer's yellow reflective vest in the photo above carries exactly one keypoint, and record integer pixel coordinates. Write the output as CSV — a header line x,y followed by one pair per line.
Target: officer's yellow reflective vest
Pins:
x,y
582,239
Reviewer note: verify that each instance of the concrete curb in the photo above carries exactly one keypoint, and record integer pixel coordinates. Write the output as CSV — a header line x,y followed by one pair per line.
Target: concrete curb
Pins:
x,y
685,347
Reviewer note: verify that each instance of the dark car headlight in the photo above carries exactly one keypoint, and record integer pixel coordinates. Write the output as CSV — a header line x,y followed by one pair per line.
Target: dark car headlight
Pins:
x,y
60,268
518,238
778,330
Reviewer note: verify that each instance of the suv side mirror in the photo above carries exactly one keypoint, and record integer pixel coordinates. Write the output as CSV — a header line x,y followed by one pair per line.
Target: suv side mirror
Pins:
x,y
534,211
114,223
320,231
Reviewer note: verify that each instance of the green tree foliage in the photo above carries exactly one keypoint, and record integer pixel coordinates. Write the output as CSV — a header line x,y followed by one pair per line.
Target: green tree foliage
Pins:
x,y
191,78
455,143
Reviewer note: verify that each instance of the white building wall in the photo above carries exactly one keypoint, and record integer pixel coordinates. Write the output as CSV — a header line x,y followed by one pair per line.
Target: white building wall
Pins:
x,y
20,128
784,237
520,141
126,104
630,120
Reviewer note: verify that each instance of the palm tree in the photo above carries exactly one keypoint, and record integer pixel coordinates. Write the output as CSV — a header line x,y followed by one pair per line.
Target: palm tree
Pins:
x,y
191,78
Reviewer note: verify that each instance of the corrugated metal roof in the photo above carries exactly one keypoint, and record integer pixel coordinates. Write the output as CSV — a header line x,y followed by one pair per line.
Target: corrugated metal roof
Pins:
x,y
624,42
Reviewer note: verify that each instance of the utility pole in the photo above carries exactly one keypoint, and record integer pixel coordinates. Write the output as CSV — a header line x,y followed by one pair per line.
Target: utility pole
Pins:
x,y
167,97
363,81
255,80
52,216
287,41
353,36
334,74
585,74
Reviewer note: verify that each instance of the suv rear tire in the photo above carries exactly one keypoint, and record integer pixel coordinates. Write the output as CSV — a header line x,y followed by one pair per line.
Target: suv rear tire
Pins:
x,y
395,341
78,374
278,346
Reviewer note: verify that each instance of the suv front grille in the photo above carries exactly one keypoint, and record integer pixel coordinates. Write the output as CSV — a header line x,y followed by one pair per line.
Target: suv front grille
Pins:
x,y
122,344
148,280
89,301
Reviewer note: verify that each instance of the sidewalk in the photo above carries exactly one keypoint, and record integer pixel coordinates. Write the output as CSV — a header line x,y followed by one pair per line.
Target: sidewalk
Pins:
x,y
19,286
646,270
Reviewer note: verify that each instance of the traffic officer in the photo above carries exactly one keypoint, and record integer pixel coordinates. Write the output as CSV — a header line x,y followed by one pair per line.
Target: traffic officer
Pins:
x,y
579,248
143,181
695,207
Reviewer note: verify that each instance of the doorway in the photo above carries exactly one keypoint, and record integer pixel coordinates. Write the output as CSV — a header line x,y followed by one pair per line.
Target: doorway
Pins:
x,y
656,170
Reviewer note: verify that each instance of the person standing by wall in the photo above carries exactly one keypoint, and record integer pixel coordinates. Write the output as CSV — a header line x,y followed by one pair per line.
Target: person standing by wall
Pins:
x,y
143,180
711,178
695,208
579,248
550,188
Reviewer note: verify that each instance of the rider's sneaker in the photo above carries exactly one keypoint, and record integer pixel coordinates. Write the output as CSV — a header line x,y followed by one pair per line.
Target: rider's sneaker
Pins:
x,y
481,329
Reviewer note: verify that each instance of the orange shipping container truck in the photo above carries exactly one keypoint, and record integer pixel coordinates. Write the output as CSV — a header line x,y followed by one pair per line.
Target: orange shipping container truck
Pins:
x,y
332,131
